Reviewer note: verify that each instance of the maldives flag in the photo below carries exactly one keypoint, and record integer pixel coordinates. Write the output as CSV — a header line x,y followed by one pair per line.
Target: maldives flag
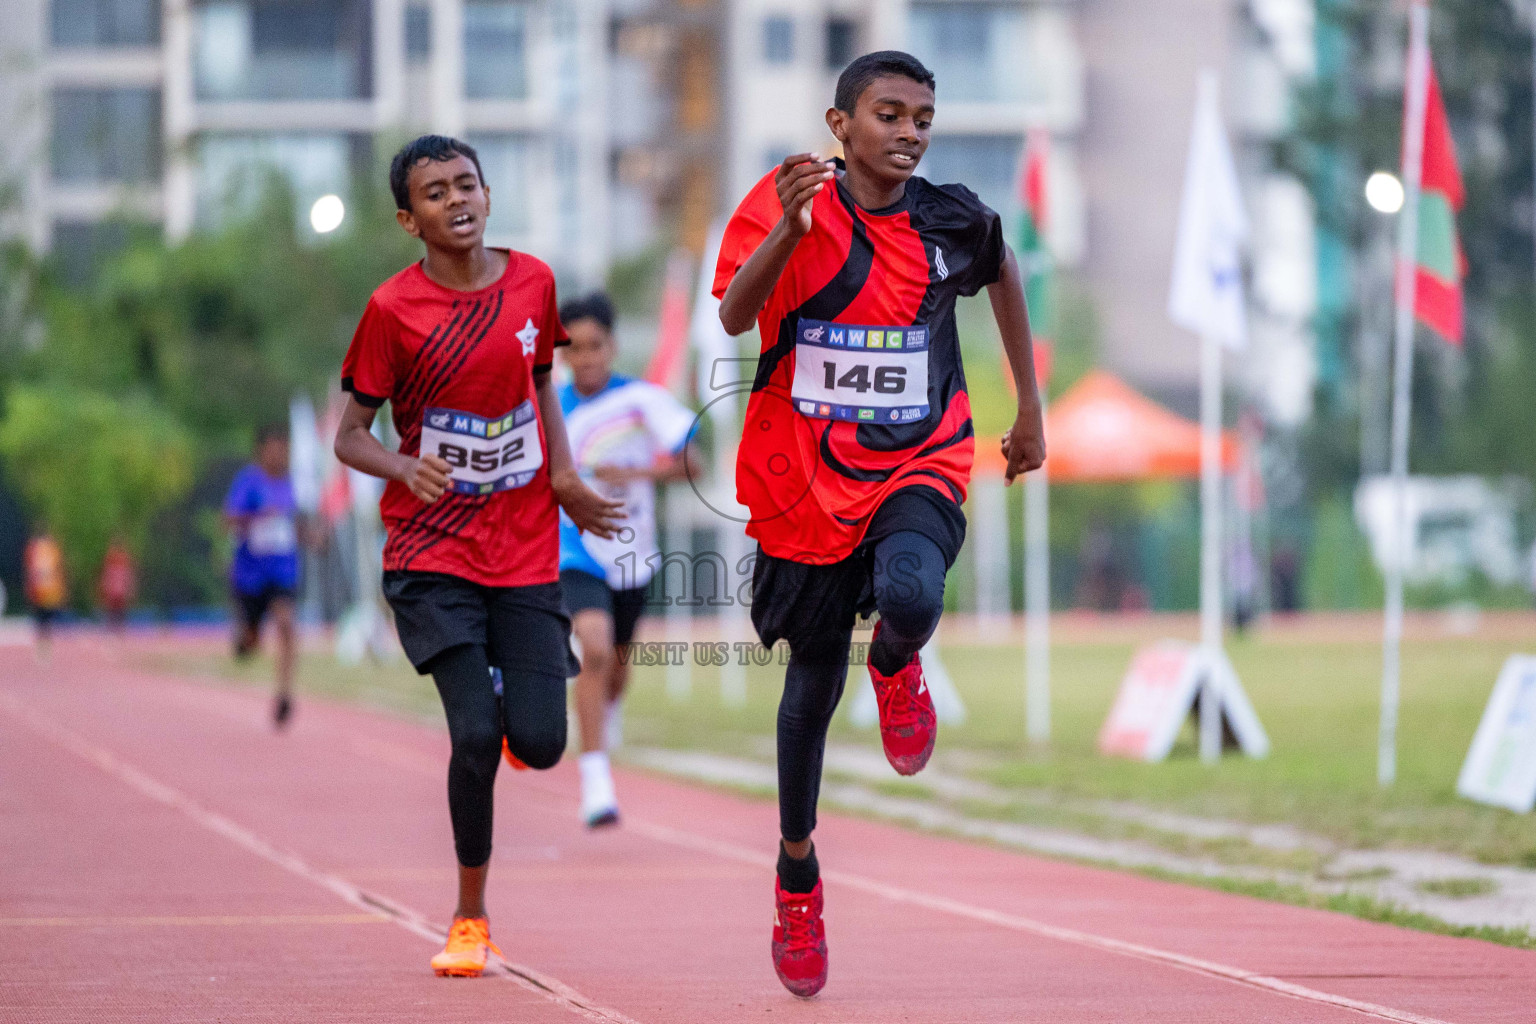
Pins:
x,y
1441,265
671,351
1035,254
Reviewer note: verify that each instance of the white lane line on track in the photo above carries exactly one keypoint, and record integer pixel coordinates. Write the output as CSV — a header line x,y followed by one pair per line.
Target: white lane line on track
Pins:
x,y
555,991
405,757
942,904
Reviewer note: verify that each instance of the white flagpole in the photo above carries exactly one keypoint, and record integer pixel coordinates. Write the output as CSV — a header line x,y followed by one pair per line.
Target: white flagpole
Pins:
x,y
1037,603
1037,507
1407,258
1207,297
1210,541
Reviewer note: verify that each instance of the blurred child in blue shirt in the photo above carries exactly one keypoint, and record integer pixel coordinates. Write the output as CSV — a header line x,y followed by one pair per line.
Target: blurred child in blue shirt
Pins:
x,y
264,576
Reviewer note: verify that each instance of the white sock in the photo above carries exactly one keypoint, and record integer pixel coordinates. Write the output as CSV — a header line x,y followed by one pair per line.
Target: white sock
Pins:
x,y
597,793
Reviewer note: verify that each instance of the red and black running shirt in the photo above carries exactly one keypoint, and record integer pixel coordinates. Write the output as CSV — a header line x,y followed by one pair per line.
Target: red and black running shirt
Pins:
x,y
458,367
862,316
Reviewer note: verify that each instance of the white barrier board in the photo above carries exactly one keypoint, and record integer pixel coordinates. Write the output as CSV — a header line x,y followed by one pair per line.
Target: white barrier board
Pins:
x,y
1162,688
1501,765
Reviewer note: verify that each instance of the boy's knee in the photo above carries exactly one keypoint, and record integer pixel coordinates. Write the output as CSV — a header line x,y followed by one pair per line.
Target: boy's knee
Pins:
x,y
538,749
536,716
915,618
598,661
478,747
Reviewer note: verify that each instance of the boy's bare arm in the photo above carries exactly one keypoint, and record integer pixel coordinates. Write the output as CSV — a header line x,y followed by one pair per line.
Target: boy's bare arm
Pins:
x,y
1024,443
590,511
355,446
797,181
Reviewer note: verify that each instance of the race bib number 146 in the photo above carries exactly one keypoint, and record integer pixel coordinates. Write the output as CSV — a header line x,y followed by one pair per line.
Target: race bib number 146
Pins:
x,y
484,455
859,373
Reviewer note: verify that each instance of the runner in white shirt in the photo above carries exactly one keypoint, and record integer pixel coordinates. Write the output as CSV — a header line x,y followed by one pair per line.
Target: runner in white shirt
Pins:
x,y
626,436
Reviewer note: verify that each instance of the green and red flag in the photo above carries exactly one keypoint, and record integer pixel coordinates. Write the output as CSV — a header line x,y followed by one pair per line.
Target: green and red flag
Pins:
x,y
1034,251
671,352
1441,265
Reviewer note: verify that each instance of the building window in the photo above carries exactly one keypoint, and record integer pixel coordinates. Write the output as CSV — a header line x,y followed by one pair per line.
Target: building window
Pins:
x,y
418,33
842,42
977,51
779,39
987,164
283,49
236,172
82,248
495,50
106,135
506,162
106,22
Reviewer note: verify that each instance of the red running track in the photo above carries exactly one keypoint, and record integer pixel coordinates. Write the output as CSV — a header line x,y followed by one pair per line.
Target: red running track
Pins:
x,y
164,856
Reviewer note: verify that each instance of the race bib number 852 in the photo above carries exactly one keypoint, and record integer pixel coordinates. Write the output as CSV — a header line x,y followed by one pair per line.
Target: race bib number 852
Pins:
x,y
859,373
484,455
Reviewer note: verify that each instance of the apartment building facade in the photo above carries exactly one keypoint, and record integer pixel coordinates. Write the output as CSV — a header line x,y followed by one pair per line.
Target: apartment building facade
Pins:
x,y
1113,83
1003,68
608,126
167,111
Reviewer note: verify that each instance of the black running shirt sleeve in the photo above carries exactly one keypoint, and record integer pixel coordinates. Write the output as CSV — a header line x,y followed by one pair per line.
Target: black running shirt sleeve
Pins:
x,y
986,266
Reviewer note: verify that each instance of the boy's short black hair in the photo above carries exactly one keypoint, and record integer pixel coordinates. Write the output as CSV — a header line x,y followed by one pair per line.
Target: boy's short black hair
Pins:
x,y
276,430
856,77
426,147
596,306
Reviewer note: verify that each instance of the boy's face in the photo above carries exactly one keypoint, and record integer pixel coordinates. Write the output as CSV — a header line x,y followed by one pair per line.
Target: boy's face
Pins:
x,y
589,355
272,456
887,133
449,204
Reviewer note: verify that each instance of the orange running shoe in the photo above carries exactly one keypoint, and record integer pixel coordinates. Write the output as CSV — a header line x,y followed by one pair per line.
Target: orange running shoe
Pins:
x,y
512,759
464,956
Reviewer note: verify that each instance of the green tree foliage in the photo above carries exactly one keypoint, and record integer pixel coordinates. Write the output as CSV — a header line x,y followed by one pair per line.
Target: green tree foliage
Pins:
x,y
122,399
224,328
93,466
1470,407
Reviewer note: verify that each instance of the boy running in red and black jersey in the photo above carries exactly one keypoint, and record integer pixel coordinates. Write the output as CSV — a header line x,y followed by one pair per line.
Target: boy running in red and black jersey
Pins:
x,y
858,443
461,345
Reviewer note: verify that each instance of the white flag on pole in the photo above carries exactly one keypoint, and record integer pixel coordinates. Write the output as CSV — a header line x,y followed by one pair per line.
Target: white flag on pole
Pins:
x,y
1207,292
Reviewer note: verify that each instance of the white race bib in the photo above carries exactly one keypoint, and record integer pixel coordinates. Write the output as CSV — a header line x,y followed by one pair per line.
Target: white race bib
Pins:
x,y
272,534
486,455
860,373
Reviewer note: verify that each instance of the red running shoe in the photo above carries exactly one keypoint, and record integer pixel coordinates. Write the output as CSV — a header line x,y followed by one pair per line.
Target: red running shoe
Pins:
x,y
908,723
799,941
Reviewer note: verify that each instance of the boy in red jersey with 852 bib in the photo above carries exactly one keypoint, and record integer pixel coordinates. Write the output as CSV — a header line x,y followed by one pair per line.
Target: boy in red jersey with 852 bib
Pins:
x,y
461,346
858,443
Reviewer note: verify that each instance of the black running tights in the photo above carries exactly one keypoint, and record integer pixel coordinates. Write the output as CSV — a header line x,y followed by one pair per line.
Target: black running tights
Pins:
x,y
530,713
908,575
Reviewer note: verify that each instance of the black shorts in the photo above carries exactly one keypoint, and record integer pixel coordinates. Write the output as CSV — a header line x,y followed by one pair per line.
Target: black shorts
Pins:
x,y
805,603
254,607
584,591
523,628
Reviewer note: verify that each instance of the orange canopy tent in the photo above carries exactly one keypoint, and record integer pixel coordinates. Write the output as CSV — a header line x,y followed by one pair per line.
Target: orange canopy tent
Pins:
x,y
1103,430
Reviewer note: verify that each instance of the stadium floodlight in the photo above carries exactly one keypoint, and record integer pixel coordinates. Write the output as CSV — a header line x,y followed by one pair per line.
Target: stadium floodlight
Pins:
x,y
327,214
1384,192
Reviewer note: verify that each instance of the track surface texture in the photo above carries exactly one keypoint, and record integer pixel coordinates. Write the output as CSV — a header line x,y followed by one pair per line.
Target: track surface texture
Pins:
x,y
165,856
